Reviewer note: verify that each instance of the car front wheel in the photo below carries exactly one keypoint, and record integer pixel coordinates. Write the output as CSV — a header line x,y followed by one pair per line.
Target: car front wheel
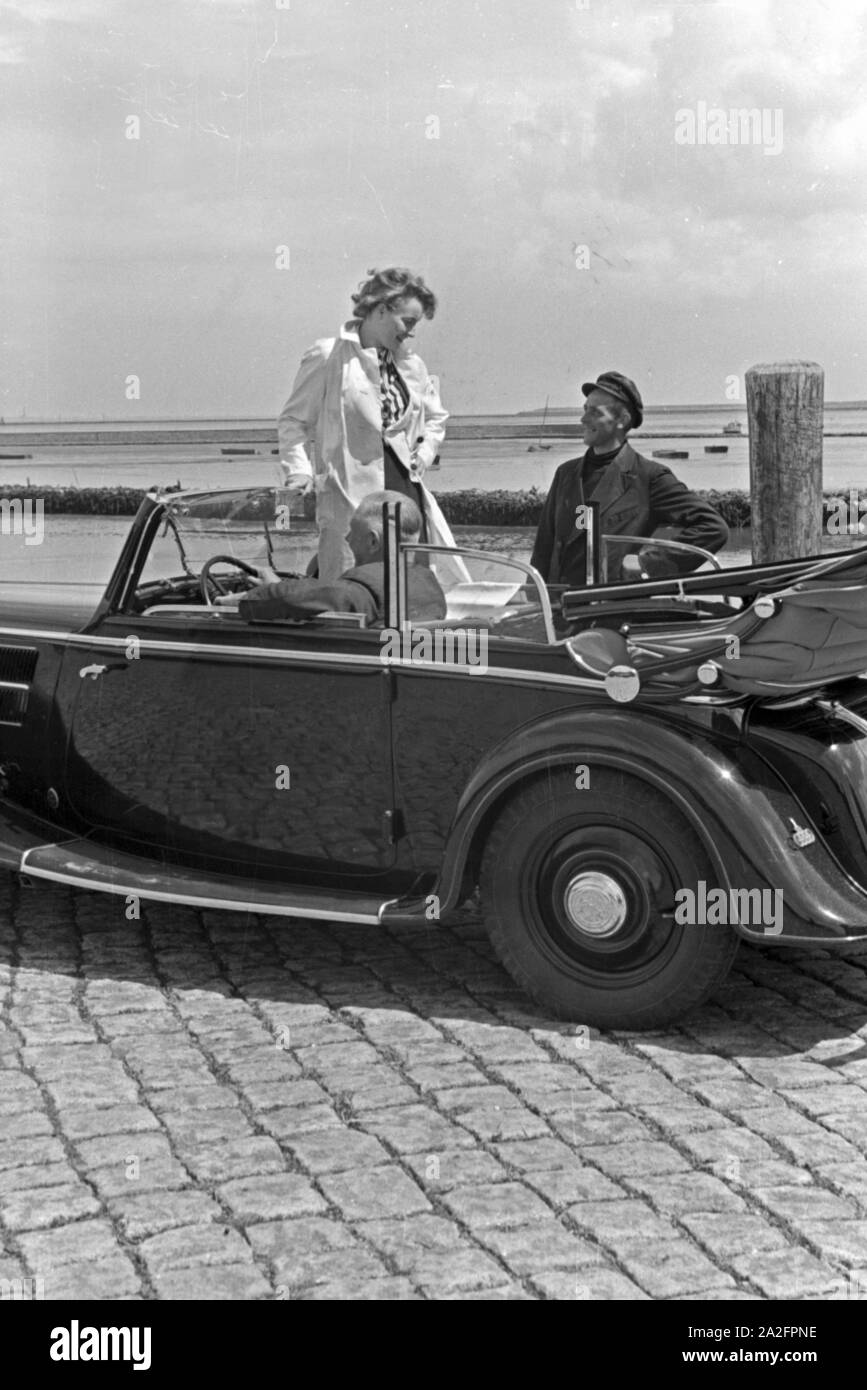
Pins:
x,y
578,890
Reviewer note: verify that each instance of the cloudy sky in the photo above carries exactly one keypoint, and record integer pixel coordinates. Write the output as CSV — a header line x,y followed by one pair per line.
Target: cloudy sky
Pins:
x,y
157,156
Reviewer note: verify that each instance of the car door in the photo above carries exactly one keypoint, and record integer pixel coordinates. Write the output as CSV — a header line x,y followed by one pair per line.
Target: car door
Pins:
x,y
263,745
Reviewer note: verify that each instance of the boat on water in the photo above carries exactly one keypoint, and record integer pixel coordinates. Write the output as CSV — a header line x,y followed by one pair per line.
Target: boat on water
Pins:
x,y
733,427
716,448
670,453
539,447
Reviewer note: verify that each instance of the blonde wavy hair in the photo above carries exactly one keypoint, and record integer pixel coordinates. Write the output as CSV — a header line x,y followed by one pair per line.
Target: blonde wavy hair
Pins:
x,y
390,285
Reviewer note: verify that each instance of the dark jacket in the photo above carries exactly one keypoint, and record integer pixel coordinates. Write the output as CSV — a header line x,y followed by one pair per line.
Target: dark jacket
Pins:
x,y
637,495
359,590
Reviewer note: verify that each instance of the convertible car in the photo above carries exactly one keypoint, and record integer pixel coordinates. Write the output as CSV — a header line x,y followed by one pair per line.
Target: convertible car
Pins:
x,y
635,775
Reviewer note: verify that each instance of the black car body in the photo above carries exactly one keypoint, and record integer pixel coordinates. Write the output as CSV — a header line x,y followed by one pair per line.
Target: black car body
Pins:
x,y
156,746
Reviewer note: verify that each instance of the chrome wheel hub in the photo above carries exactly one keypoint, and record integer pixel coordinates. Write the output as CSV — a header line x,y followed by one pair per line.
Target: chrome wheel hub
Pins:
x,y
595,903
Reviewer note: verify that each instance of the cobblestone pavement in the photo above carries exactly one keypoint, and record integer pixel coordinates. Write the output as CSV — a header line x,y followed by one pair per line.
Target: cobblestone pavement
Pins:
x,y
198,1105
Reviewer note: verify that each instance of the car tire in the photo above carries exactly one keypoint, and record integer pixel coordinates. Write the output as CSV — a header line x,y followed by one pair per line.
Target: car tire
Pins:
x,y
578,886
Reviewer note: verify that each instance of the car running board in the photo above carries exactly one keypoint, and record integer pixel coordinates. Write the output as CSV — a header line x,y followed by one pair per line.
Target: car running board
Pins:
x,y
80,863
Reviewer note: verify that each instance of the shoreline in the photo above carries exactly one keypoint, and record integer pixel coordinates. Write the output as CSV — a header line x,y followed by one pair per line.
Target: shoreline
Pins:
x,y
263,436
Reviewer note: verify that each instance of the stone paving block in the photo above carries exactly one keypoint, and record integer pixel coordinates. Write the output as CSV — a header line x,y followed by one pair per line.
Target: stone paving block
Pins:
x,y
634,1160
93,1089
374,1194
125,1151
805,1203
681,1119
18,1180
149,1213
691,1192
293,1246
230,1283
671,1267
500,1292
849,1126
71,1244
497,1045
90,1122
401,1241
844,1240
496,1204
726,1234
415,1128
27,1124
112,1277
790,1272
588,1283
233,1158
561,1188
438,1172
41,1207
720,1145
749,1177
836,1098
187,1246
155,1174
271,1197
544,1154
778,1121
364,1289
816,1149
337,1150
38,1149
207,1126
185,1100
730,1094
499,1122
446,1077
288,1121
530,1250
537,1077
382,1097
617,1223
607,1127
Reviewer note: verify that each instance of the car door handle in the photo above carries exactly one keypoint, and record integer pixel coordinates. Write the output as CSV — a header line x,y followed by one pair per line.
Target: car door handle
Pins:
x,y
95,671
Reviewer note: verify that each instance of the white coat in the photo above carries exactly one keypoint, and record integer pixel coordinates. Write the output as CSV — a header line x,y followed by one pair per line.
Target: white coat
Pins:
x,y
335,406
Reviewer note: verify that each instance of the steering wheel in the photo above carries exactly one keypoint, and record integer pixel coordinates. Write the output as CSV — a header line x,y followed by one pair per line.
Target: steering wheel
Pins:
x,y
206,578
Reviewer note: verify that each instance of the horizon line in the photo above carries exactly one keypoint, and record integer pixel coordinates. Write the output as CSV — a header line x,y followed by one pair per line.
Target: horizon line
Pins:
x,y
33,420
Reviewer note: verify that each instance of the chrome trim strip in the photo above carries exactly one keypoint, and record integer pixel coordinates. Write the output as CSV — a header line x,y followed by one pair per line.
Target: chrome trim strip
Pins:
x,y
79,639
15,685
193,900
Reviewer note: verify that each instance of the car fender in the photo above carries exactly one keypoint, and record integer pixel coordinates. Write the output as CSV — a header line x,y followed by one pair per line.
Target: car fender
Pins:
x,y
747,818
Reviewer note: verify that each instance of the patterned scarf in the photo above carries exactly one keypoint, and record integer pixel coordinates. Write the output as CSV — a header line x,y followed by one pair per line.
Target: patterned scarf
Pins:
x,y
395,395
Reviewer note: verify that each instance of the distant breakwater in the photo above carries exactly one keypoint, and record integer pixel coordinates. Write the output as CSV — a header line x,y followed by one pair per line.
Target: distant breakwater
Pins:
x,y
473,507
262,439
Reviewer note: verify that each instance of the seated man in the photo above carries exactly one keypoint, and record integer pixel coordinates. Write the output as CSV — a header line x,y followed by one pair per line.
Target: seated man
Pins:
x,y
358,590
636,496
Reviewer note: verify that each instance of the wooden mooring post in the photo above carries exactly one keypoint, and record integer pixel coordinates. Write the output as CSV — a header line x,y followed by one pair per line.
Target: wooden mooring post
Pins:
x,y
785,406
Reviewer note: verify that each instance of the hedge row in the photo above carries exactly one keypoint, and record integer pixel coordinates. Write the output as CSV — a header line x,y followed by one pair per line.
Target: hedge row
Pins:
x,y
472,508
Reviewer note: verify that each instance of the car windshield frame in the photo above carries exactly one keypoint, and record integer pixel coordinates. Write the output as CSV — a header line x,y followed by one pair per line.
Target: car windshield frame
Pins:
x,y
408,548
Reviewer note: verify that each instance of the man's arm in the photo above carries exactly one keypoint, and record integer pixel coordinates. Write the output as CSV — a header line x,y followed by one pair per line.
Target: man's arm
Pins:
x,y
543,545
695,522
304,598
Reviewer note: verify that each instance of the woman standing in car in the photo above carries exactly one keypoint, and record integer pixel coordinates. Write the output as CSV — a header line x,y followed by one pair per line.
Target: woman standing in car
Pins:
x,y
372,412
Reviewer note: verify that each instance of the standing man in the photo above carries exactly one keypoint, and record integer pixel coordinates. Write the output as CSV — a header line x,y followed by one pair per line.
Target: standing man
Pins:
x,y
636,495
